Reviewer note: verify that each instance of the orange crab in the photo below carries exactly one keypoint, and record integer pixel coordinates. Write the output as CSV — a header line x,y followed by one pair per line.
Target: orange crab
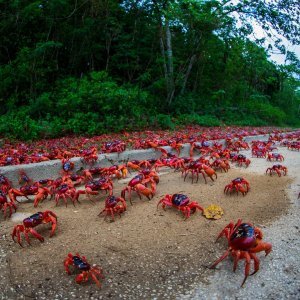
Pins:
x,y
139,184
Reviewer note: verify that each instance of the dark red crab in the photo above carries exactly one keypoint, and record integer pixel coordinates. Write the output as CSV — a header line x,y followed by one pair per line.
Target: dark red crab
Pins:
x,y
180,202
67,166
5,184
93,187
244,241
29,223
113,205
40,193
238,184
5,204
87,271
279,169
275,156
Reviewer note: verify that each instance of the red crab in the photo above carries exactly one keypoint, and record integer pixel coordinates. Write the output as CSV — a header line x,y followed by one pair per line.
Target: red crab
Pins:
x,y
94,186
74,179
39,218
24,179
259,151
217,146
114,146
81,264
214,155
196,167
119,171
134,165
67,166
279,169
275,156
150,175
137,165
294,146
139,184
238,184
241,145
221,164
64,191
40,193
5,185
203,147
176,145
89,156
177,163
87,175
180,202
241,159
112,206
244,240
4,204
163,162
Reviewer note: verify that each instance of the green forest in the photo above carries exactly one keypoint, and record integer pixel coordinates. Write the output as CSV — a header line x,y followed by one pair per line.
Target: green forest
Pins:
x,y
96,66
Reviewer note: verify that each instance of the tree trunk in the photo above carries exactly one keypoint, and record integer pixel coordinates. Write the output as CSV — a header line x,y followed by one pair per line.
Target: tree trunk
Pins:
x,y
108,44
188,72
170,69
162,49
167,62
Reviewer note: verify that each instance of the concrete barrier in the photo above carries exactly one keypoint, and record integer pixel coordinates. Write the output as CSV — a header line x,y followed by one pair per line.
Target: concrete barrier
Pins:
x,y
53,169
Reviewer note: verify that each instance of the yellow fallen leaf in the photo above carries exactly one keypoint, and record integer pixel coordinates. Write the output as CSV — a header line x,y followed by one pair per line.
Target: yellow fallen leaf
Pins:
x,y
213,212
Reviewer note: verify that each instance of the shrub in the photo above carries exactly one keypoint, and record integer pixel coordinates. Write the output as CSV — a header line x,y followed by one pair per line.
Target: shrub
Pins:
x,y
162,121
84,123
184,104
265,111
195,119
19,125
250,121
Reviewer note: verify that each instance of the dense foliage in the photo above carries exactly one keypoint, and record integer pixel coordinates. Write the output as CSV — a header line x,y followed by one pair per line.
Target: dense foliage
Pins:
x,y
92,66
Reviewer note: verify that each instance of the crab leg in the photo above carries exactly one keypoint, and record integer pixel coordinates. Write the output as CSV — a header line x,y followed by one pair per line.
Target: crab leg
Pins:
x,y
54,224
220,259
120,210
187,212
112,214
246,255
203,174
236,256
17,233
267,247
256,263
27,237
94,277
35,234
229,229
67,262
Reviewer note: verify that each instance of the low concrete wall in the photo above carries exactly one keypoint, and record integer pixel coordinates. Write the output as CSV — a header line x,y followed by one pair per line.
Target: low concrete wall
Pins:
x,y
52,169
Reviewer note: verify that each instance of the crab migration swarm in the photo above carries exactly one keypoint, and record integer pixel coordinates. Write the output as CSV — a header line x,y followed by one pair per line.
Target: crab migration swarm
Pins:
x,y
99,180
